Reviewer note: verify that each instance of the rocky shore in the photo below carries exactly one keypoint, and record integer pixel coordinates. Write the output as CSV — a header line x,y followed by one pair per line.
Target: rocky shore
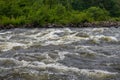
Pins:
x,y
80,25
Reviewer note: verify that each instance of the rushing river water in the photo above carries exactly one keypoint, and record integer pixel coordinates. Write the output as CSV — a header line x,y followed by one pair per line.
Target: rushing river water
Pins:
x,y
60,54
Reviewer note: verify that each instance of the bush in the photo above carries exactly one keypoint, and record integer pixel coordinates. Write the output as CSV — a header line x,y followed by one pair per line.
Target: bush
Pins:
x,y
15,21
39,16
115,19
59,15
98,14
42,12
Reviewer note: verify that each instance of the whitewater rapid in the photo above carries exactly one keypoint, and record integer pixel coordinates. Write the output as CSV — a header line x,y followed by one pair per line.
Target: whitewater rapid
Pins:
x,y
60,54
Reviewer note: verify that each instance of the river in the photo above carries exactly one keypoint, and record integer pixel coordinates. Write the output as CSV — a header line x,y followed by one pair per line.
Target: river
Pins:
x,y
60,54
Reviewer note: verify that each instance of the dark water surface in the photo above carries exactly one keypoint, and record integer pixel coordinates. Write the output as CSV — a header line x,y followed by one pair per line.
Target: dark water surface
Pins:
x,y
60,54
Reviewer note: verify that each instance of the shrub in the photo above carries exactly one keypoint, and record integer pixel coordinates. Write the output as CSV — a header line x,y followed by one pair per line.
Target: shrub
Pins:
x,y
58,15
98,14
39,16
15,21
115,19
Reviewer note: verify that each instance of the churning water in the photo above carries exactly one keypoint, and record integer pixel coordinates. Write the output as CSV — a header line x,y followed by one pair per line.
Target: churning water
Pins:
x,y
60,54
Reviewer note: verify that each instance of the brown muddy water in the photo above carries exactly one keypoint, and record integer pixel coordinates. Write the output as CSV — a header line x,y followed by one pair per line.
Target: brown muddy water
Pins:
x,y
60,54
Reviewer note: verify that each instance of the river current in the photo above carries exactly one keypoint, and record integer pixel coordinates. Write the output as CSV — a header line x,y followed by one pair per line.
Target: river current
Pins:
x,y
60,54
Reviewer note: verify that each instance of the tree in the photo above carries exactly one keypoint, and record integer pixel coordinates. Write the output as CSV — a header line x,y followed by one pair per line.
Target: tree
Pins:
x,y
98,14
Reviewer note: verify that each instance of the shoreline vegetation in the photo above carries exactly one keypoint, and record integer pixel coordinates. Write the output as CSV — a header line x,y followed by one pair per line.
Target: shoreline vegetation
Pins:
x,y
59,13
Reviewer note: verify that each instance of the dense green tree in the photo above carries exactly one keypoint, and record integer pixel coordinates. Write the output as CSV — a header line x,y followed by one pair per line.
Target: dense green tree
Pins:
x,y
58,11
97,13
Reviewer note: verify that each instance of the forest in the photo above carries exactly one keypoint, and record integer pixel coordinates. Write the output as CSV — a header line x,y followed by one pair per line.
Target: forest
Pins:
x,y
19,12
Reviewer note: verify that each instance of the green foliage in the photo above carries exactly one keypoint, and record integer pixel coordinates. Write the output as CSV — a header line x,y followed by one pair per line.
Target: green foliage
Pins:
x,y
19,12
98,14
39,16
58,14
112,6
15,21
115,19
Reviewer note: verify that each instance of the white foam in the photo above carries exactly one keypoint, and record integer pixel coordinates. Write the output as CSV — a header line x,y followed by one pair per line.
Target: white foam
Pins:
x,y
63,68
11,60
99,38
62,55
9,45
8,32
100,30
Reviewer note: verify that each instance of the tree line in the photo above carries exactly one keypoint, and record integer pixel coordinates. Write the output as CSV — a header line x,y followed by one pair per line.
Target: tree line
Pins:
x,y
18,12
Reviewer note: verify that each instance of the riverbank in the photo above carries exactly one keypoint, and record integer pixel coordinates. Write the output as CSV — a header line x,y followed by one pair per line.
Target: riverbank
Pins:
x,y
80,25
